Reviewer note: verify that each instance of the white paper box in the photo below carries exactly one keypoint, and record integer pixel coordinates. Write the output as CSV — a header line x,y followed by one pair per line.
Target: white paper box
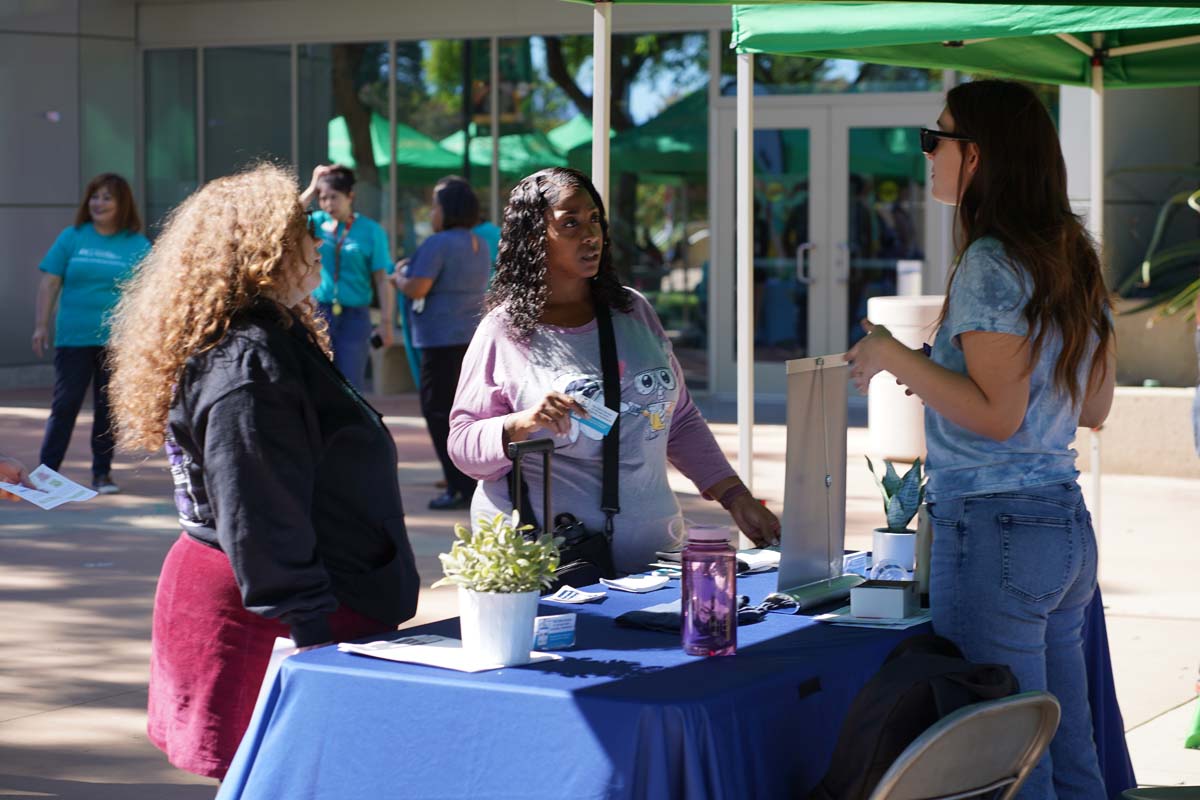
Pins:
x,y
885,600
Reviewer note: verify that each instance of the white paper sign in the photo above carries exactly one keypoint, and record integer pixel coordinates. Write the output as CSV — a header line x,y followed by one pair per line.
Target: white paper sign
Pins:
x,y
431,650
637,583
52,489
573,596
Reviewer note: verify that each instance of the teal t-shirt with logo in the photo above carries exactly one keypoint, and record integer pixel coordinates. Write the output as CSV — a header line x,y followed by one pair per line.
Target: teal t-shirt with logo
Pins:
x,y
346,270
92,267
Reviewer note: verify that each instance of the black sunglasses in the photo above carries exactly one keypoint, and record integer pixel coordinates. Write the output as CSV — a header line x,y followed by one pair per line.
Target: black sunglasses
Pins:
x,y
312,224
929,139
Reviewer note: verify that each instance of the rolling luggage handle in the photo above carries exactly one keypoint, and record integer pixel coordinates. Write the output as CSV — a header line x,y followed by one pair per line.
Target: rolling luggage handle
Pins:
x,y
517,451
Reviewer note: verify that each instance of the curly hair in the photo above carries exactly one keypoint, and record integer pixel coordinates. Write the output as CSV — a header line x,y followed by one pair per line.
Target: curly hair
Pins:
x,y
519,286
229,246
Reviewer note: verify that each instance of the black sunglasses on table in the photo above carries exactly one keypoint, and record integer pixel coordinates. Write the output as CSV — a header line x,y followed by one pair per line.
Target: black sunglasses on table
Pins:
x,y
930,137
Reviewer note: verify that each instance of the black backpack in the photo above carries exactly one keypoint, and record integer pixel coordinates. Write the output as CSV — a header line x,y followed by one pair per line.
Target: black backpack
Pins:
x,y
923,679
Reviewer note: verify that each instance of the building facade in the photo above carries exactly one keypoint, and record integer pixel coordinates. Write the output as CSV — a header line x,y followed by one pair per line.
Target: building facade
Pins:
x,y
172,93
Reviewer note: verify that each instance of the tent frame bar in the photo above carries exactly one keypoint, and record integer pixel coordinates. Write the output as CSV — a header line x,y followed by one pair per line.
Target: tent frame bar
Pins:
x,y
601,88
1150,47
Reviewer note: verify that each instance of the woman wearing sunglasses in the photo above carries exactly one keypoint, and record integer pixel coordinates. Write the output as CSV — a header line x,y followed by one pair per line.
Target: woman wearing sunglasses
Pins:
x,y
1024,355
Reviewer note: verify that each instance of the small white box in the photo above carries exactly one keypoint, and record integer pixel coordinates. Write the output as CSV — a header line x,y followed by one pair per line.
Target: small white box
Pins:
x,y
885,600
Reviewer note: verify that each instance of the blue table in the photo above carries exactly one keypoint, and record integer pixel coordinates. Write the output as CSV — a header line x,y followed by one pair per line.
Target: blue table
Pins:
x,y
626,715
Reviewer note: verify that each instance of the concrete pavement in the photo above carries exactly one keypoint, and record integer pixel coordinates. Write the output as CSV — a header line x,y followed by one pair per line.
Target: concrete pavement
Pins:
x,y
77,584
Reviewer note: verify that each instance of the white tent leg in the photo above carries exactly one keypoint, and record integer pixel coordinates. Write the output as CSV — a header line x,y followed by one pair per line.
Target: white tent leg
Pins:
x,y
1096,220
601,88
745,267
1096,215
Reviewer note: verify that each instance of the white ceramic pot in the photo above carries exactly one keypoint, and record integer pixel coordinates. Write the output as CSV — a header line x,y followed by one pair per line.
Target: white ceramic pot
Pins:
x,y
900,548
497,628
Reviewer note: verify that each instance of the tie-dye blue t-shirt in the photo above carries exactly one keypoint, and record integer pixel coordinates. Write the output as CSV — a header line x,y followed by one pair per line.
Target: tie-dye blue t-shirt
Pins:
x,y
989,293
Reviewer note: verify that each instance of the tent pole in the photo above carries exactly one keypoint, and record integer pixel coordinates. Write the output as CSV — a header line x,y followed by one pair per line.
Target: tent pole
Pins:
x,y
494,102
1096,218
601,88
745,267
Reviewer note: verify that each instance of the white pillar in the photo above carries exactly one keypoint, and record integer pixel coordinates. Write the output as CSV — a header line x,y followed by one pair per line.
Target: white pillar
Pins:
x,y
601,88
1096,214
494,100
1096,220
745,267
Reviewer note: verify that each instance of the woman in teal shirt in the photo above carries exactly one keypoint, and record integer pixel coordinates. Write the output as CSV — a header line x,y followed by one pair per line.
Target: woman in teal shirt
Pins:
x,y
83,273
354,257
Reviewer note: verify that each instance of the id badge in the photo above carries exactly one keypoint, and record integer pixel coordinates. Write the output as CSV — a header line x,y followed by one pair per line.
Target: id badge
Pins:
x,y
337,308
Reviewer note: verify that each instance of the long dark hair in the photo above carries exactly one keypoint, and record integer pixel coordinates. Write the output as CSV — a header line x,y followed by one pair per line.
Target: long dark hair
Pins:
x,y
1018,195
128,218
460,206
519,285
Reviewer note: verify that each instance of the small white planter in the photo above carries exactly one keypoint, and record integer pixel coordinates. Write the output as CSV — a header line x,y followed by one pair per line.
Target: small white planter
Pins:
x,y
900,548
497,628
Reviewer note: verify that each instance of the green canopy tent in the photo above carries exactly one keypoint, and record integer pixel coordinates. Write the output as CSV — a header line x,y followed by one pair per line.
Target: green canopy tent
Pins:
x,y
575,132
520,153
675,143
419,159
1096,45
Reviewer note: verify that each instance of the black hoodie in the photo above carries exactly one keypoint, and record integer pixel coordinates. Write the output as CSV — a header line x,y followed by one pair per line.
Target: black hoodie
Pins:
x,y
282,465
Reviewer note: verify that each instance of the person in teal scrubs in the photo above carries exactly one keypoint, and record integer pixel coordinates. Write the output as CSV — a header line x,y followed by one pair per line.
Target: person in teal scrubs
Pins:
x,y
83,273
354,259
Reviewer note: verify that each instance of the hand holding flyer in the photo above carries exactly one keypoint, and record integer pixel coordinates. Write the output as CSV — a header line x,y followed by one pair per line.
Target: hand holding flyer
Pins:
x,y
52,489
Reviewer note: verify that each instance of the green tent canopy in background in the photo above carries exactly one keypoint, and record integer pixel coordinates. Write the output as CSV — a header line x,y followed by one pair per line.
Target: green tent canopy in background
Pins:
x,y
573,133
676,143
520,153
1044,43
673,143
419,159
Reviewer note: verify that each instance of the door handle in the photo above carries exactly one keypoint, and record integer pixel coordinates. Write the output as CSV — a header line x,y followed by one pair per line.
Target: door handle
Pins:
x,y
803,274
841,261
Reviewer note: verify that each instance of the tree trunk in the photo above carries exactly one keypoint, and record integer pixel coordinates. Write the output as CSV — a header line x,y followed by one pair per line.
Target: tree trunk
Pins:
x,y
346,60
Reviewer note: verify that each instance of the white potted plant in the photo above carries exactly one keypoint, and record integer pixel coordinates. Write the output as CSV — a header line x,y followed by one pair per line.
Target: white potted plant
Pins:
x,y
500,574
902,498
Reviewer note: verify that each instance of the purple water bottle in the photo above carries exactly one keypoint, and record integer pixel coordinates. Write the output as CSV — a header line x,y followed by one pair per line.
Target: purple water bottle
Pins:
x,y
709,592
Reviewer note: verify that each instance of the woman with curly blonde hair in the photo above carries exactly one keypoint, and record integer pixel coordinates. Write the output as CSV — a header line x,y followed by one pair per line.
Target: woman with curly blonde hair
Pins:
x,y
285,479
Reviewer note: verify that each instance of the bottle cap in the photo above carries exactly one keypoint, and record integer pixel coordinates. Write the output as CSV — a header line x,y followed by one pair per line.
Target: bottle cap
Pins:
x,y
708,533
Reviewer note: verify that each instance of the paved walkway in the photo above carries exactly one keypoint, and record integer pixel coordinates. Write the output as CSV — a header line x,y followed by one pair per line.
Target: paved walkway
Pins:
x,y
77,584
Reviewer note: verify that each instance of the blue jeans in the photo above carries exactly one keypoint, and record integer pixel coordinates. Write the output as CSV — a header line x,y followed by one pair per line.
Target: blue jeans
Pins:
x,y
350,336
1010,578
74,369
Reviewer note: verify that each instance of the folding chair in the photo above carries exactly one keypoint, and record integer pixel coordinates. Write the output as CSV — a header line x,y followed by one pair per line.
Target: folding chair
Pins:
x,y
983,750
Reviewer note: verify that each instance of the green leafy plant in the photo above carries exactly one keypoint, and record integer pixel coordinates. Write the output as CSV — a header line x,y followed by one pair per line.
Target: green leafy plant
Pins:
x,y
1168,277
901,496
499,558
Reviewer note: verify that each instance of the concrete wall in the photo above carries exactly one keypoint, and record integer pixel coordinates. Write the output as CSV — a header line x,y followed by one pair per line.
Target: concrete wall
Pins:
x,y
67,111
1149,432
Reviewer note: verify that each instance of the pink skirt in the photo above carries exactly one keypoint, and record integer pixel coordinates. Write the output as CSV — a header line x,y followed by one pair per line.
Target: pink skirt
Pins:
x,y
208,656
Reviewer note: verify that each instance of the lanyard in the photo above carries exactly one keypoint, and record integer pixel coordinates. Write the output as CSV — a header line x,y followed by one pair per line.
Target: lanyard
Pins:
x,y
337,259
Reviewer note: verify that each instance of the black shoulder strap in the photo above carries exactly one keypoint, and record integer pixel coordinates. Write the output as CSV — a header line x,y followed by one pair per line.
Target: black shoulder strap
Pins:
x,y
610,500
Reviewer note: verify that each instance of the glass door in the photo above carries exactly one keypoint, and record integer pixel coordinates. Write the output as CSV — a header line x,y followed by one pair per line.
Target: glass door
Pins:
x,y
889,235
791,253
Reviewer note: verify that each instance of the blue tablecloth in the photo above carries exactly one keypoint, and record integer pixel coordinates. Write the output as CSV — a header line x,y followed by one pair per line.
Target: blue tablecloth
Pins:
x,y
626,715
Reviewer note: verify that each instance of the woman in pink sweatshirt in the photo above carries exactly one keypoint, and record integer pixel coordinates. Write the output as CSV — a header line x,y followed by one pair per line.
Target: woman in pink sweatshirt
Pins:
x,y
534,364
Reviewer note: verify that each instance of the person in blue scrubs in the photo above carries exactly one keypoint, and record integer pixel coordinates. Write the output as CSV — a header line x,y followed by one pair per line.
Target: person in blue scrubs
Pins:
x,y
444,283
82,274
354,259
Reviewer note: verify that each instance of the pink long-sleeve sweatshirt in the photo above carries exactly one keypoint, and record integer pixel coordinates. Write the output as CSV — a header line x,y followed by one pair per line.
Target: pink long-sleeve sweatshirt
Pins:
x,y
659,423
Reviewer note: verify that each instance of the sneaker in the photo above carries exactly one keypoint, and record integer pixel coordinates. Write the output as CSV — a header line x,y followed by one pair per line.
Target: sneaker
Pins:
x,y
103,484
449,501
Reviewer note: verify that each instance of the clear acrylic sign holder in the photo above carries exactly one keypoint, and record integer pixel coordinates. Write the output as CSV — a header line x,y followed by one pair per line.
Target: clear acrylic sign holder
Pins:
x,y
814,502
